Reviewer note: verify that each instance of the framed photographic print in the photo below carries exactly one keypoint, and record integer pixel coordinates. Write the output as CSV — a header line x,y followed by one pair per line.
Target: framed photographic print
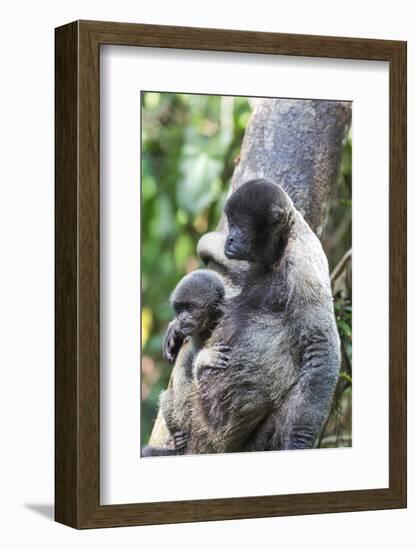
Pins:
x,y
230,274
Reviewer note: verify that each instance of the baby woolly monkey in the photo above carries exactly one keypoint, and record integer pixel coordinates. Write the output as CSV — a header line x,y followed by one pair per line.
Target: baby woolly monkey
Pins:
x,y
198,302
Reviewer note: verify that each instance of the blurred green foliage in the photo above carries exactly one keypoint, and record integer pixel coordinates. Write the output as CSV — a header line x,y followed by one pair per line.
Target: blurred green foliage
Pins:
x,y
189,144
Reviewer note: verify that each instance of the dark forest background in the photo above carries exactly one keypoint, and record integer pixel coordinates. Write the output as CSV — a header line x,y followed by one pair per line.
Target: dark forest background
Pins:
x,y
189,144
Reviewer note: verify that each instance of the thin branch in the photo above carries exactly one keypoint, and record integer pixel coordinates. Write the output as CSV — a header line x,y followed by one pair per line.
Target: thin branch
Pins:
x,y
337,271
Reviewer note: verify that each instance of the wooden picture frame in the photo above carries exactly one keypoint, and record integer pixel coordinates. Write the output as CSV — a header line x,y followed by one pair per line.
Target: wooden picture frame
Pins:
x,y
77,374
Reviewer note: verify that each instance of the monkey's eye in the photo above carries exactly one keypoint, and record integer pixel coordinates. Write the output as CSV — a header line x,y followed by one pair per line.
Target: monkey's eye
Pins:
x,y
235,225
179,308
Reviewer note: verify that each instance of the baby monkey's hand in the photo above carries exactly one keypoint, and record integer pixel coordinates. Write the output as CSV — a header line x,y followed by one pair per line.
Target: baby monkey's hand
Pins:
x,y
180,440
173,341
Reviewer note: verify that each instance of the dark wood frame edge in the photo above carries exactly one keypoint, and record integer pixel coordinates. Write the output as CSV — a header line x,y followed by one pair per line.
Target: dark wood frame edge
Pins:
x,y
77,380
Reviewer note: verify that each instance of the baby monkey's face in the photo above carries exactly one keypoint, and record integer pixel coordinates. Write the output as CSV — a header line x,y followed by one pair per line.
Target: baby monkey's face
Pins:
x,y
192,317
196,300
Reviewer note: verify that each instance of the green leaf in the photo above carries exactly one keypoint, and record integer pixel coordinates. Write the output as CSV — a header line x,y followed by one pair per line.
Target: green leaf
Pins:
x,y
152,100
198,186
148,187
345,376
184,247
163,221
344,327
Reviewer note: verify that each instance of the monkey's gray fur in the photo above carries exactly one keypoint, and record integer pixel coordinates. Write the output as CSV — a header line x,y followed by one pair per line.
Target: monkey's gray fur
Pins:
x,y
275,393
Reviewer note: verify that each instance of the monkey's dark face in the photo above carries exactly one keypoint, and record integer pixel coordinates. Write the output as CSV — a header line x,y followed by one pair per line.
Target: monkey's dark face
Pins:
x,y
259,214
192,317
197,301
240,240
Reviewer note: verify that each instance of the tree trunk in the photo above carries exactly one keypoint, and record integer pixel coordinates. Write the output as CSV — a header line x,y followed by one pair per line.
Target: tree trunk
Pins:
x,y
298,144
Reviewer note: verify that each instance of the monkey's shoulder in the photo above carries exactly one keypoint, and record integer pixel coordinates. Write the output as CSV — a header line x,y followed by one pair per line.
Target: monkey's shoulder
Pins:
x,y
302,279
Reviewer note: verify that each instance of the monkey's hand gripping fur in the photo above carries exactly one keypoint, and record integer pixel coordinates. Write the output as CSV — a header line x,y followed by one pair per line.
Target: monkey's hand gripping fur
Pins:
x,y
215,357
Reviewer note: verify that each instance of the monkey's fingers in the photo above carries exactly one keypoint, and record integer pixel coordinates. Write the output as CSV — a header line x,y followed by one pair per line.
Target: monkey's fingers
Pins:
x,y
180,440
220,360
221,347
180,444
169,356
173,341
222,356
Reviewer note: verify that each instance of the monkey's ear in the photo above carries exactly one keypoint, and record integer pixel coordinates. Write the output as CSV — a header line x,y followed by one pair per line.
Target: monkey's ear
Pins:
x,y
282,216
278,214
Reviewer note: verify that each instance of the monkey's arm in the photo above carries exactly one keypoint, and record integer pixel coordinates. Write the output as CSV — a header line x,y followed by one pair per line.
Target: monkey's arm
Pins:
x,y
166,402
308,403
179,435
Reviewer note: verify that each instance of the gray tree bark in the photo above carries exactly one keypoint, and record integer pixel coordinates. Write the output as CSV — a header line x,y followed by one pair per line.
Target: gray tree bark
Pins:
x,y
297,144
